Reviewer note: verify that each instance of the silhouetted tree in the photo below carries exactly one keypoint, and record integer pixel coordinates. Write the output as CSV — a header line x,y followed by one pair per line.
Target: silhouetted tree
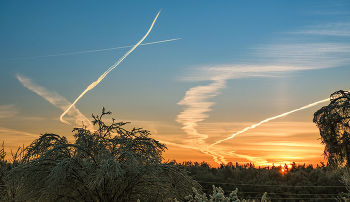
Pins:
x,y
333,123
109,164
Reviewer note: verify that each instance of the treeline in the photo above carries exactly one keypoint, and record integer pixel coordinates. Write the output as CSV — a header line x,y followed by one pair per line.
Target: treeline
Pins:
x,y
299,183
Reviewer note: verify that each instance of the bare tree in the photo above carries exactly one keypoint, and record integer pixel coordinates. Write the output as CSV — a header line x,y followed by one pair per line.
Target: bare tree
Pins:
x,y
333,122
110,164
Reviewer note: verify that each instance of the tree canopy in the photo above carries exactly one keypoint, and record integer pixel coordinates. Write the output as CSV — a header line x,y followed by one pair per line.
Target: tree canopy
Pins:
x,y
333,123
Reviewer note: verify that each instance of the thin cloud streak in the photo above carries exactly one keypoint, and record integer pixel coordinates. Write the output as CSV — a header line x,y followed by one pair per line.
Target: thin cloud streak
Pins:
x,y
307,56
10,132
288,143
91,51
7,111
55,99
225,72
93,84
329,29
218,158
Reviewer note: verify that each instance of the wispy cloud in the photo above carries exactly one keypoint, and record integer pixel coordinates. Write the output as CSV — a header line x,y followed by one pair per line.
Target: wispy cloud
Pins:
x,y
8,110
197,106
7,133
306,56
235,71
55,99
288,143
327,29
14,138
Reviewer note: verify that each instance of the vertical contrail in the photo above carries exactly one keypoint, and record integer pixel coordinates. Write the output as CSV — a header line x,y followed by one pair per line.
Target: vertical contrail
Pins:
x,y
269,119
91,86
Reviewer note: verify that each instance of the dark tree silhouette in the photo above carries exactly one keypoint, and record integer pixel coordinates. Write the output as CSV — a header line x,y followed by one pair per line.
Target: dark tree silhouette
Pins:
x,y
109,164
333,123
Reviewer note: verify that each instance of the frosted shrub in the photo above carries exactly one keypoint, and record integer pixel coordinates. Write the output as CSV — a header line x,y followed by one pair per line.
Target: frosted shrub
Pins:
x,y
218,196
345,178
109,165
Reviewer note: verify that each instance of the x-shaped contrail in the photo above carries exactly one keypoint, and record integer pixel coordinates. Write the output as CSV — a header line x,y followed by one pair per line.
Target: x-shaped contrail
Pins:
x,y
93,84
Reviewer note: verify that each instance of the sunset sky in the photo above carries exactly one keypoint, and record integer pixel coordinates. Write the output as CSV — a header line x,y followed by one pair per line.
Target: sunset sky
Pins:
x,y
227,66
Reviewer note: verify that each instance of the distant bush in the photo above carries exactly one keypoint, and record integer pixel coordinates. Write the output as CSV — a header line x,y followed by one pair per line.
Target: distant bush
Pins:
x,y
218,196
322,181
345,178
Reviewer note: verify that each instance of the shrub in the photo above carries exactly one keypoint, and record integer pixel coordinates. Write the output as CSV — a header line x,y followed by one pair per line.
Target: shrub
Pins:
x,y
109,164
218,196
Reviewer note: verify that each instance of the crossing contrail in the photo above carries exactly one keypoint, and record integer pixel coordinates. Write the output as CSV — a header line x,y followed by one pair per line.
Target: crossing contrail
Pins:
x,y
55,99
93,84
91,51
269,119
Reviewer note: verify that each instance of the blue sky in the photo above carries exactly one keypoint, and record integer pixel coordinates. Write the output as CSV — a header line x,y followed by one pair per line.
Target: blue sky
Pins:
x,y
236,64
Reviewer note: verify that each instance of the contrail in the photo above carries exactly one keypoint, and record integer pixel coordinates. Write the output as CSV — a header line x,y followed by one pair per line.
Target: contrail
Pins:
x,y
55,99
207,152
91,51
93,84
218,158
269,119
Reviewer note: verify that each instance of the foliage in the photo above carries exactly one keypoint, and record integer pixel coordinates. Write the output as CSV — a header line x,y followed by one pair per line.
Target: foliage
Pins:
x,y
109,164
345,178
218,196
333,122
3,169
253,181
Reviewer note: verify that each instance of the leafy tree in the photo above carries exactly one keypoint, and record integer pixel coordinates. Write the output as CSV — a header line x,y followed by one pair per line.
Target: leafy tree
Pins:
x,y
333,123
109,164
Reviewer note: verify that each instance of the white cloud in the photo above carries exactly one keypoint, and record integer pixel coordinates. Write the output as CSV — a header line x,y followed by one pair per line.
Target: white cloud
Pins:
x,y
197,106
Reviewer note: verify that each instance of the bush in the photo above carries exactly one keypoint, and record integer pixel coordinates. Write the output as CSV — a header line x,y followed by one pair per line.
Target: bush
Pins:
x,y
218,196
109,164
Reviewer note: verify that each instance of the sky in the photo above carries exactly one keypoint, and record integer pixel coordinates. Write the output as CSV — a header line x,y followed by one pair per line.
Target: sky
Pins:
x,y
216,87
